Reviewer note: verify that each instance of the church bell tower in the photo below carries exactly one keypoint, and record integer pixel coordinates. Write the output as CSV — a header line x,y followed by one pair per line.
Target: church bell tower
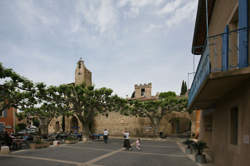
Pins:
x,y
82,74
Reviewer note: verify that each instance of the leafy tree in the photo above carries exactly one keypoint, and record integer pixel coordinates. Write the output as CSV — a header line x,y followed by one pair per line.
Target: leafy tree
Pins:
x,y
86,102
183,88
15,91
163,95
155,110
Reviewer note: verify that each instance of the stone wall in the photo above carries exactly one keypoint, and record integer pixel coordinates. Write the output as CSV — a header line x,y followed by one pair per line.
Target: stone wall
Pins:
x,y
137,126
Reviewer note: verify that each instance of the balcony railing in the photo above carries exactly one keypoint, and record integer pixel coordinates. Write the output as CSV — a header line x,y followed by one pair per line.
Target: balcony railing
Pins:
x,y
222,53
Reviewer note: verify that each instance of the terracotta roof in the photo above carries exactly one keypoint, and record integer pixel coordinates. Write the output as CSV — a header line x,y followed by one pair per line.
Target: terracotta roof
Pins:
x,y
145,98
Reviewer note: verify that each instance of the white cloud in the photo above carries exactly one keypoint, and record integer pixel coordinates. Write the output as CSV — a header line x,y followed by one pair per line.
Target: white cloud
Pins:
x,y
187,11
152,27
102,15
32,15
170,7
138,3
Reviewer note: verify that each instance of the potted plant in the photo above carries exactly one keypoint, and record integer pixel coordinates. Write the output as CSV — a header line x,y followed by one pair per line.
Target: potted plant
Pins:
x,y
71,140
199,147
189,143
38,143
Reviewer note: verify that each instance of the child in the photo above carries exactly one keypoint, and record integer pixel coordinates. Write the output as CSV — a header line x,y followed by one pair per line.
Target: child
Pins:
x,y
138,144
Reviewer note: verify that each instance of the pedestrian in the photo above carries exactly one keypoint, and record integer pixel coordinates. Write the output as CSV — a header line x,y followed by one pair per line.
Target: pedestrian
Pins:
x,y
126,143
138,144
7,139
105,136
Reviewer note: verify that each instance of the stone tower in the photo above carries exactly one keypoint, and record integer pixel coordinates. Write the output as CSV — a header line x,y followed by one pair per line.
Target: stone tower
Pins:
x,y
82,74
143,90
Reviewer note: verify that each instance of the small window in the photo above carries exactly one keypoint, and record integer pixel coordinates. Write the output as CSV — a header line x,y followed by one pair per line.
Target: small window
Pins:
x,y
234,116
142,92
79,73
4,113
79,65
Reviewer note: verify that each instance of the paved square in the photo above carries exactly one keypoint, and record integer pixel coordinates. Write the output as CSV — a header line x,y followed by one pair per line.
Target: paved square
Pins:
x,y
99,154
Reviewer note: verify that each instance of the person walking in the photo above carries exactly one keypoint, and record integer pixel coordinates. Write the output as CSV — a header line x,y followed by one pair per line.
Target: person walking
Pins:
x,y
105,136
126,143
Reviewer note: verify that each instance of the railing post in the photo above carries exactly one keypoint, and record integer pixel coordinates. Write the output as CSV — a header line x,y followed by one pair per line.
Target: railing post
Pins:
x,y
243,34
225,48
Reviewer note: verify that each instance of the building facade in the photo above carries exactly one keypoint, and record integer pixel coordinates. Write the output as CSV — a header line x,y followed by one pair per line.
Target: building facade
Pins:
x,y
8,120
172,123
82,74
221,86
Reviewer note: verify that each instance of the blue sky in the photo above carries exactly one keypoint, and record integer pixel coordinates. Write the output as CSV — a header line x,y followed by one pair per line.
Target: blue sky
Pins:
x,y
123,42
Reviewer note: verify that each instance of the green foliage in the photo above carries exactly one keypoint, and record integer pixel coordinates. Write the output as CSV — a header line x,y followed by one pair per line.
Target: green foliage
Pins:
x,y
183,88
188,142
20,126
168,94
15,90
71,138
36,122
199,146
155,110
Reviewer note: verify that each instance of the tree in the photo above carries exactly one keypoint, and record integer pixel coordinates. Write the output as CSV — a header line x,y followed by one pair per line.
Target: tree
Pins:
x,y
155,110
183,88
15,91
86,102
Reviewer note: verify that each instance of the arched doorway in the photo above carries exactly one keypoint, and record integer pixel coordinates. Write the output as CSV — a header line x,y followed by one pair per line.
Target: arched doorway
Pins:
x,y
180,125
74,125
57,126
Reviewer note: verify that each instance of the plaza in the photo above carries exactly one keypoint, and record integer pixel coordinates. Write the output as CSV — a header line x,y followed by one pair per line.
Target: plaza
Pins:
x,y
96,153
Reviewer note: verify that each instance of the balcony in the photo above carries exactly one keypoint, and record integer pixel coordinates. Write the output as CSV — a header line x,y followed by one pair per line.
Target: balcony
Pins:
x,y
224,65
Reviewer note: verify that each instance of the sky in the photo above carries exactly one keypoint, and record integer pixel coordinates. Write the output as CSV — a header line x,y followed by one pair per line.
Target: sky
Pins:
x,y
122,42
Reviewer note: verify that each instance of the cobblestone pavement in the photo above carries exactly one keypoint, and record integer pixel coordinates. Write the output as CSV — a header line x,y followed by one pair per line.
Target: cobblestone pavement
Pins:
x,y
154,153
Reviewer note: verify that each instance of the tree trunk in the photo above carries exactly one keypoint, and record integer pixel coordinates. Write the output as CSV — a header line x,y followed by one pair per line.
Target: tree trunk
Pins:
x,y
155,125
44,126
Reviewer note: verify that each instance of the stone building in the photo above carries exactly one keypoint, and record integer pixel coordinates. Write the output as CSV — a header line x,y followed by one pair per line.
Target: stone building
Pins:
x,y
116,123
8,120
82,74
221,86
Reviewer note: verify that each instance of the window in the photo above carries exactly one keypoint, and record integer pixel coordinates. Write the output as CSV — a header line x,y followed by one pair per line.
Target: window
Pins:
x,y
4,113
234,117
142,92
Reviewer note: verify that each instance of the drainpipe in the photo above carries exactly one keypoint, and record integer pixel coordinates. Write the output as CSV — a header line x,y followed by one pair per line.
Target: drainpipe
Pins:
x,y
207,20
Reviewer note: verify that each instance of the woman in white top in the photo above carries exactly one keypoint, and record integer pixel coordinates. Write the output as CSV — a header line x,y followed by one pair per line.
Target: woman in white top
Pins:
x,y
126,143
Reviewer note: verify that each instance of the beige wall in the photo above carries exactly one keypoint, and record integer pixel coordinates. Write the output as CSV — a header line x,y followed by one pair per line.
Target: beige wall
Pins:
x,y
68,125
218,22
224,153
117,123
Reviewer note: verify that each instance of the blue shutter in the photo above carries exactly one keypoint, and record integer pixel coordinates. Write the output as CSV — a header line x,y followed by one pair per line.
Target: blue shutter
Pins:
x,y
225,45
243,34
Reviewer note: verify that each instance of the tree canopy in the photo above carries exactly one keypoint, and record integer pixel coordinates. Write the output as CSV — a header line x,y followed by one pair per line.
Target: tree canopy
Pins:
x,y
15,90
155,110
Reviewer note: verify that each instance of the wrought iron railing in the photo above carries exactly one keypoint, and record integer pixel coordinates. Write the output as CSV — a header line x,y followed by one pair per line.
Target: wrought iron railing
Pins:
x,y
220,54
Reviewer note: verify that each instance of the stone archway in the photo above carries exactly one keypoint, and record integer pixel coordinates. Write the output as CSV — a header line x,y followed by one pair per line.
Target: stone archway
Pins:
x,y
74,125
180,125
